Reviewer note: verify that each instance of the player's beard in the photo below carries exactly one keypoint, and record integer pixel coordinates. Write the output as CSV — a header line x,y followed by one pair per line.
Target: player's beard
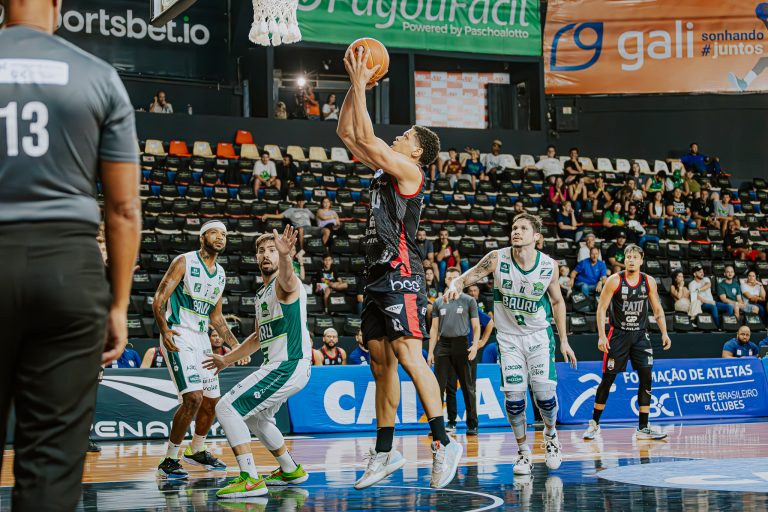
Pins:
x,y
267,272
210,249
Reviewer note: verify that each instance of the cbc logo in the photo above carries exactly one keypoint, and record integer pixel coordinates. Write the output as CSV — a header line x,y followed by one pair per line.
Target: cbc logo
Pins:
x,y
405,285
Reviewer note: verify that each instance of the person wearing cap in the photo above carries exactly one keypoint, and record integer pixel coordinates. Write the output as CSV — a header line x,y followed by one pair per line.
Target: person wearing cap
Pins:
x,y
329,354
701,290
550,165
187,303
615,253
493,163
740,346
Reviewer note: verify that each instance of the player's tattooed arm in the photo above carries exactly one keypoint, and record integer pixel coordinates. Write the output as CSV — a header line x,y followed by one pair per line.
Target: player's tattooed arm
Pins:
x,y
219,323
170,281
483,268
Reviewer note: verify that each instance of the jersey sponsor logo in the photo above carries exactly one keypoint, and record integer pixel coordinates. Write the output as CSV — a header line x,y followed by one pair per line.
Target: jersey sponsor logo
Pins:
x,y
33,71
264,309
520,304
265,332
395,308
545,272
198,286
194,272
512,367
216,291
202,308
194,379
405,285
537,370
538,288
513,379
504,267
506,284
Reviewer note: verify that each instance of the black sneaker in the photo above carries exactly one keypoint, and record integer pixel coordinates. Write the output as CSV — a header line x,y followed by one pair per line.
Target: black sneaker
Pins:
x,y
472,431
451,426
171,469
204,459
93,447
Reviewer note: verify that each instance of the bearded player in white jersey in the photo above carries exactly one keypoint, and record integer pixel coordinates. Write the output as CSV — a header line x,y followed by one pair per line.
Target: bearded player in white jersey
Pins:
x,y
526,295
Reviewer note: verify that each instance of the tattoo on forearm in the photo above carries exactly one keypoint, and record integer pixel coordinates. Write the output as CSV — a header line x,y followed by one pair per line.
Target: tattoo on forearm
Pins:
x,y
484,267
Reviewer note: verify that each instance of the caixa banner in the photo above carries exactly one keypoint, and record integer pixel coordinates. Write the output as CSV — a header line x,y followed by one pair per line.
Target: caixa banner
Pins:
x,y
683,389
343,398
655,46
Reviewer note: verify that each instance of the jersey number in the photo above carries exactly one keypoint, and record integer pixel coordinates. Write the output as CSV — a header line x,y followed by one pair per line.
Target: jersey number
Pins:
x,y
201,326
35,144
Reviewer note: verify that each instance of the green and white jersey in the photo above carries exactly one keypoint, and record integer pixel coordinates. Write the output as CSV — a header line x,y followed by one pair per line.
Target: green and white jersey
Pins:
x,y
521,303
283,331
193,300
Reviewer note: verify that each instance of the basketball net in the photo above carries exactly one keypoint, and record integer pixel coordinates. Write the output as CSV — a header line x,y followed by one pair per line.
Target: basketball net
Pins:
x,y
274,22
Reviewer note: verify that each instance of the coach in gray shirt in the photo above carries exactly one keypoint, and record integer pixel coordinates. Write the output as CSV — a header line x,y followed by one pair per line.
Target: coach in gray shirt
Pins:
x,y
65,122
449,347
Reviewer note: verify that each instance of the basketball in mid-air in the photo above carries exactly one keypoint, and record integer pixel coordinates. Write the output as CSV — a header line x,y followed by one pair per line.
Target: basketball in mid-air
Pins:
x,y
762,11
379,55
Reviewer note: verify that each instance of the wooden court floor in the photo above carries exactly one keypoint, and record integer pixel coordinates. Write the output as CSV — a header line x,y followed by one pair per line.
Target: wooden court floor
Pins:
x,y
708,467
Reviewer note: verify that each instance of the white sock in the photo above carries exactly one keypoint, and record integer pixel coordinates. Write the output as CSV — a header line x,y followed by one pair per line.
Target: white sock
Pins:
x,y
198,443
172,450
750,77
247,465
550,431
523,448
287,464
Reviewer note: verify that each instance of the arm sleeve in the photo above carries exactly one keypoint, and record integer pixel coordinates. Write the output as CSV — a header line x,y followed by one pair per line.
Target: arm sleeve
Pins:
x,y
118,142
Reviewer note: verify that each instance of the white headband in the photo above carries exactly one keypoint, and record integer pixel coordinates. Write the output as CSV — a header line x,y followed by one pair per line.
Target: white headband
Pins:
x,y
213,225
330,330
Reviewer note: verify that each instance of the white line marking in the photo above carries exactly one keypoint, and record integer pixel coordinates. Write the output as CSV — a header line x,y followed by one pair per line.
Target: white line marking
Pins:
x,y
497,502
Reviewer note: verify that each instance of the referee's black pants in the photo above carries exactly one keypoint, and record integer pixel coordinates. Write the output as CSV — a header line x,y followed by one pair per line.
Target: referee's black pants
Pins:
x,y
451,354
54,300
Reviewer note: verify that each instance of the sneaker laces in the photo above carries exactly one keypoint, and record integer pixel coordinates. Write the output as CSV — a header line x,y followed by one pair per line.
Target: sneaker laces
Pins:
x,y
438,458
374,459
522,457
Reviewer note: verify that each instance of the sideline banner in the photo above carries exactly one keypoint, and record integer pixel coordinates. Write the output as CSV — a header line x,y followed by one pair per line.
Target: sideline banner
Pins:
x,y
481,26
342,399
655,46
683,389
140,403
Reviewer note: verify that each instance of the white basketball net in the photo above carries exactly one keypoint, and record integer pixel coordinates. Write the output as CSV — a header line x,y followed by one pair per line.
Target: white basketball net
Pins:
x,y
274,22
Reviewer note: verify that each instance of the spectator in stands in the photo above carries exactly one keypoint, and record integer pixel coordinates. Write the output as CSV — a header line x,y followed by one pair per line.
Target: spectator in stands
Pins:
x,y
311,105
299,216
360,355
426,250
703,211
265,174
701,290
448,256
680,293
565,281
160,104
678,213
659,183
700,163
635,227
724,211
740,346
486,326
327,219
558,192
613,221
452,167
577,192
493,163
153,358
433,171
330,109
738,245
298,266
567,225
690,185
550,165
656,212
287,173
327,281
729,291
281,110
432,290
599,198
518,208
590,241
573,169
217,343
590,274
329,354
635,175
630,194
753,292
615,253
129,359
474,168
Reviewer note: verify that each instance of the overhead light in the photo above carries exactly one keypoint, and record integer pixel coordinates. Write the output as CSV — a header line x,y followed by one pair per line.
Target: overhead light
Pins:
x,y
327,64
301,81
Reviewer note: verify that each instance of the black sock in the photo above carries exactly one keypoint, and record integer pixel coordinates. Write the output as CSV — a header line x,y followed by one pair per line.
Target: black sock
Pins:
x,y
643,420
384,438
596,413
437,425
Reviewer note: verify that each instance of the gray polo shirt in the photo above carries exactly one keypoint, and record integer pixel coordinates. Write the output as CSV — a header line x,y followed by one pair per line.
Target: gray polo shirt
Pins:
x,y
299,217
455,316
62,110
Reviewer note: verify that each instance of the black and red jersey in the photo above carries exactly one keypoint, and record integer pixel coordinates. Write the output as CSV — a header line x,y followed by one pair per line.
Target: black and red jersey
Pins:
x,y
629,304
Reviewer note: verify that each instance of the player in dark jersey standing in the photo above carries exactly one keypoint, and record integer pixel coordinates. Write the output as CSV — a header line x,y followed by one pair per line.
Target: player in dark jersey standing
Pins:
x,y
65,119
393,320
628,294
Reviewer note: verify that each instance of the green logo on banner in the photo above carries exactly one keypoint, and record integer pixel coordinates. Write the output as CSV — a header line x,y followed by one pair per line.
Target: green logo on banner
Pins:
x,y
492,26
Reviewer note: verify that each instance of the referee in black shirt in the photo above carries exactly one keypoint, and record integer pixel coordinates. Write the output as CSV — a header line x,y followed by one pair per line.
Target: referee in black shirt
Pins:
x,y
65,119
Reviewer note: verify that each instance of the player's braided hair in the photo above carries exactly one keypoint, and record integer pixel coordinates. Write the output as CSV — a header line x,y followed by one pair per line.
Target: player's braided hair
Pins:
x,y
429,143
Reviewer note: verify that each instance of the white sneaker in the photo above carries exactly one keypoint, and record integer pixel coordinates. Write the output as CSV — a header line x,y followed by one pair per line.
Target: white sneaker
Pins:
x,y
738,83
592,431
523,464
553,457
553,494
649,434
380,466
445,462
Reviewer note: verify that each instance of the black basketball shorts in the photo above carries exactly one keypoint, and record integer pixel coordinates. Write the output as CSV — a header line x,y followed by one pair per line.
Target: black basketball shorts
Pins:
x,y
395,306
627,345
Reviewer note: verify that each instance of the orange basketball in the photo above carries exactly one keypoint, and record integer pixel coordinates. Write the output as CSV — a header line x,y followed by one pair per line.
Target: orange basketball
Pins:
x,y
379,55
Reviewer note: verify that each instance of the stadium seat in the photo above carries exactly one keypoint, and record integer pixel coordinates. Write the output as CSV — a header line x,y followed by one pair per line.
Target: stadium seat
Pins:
x,y
622,165
526,160
508,161
154,147
729,323
179,148
243,137
202,149
297,152
225,150
317,154
339,155
660,165
604,165
586,163
274,151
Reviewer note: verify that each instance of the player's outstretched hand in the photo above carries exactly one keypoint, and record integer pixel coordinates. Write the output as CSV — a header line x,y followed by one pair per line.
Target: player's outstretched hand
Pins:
x,y
666,342
117,336
215,362
568,355
285,242
168,342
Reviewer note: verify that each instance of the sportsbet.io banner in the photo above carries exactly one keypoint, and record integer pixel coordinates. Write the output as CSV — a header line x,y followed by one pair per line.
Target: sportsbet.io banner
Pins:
x,y
683,389
655,46
509,27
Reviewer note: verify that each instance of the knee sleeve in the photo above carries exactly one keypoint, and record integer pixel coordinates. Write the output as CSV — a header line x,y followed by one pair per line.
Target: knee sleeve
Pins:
x,y
644,389
266,430
233,424
546,401
604,389
515,407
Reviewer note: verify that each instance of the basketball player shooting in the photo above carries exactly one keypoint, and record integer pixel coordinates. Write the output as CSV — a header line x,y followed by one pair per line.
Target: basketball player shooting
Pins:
x,y
526,294
627,294
393,322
